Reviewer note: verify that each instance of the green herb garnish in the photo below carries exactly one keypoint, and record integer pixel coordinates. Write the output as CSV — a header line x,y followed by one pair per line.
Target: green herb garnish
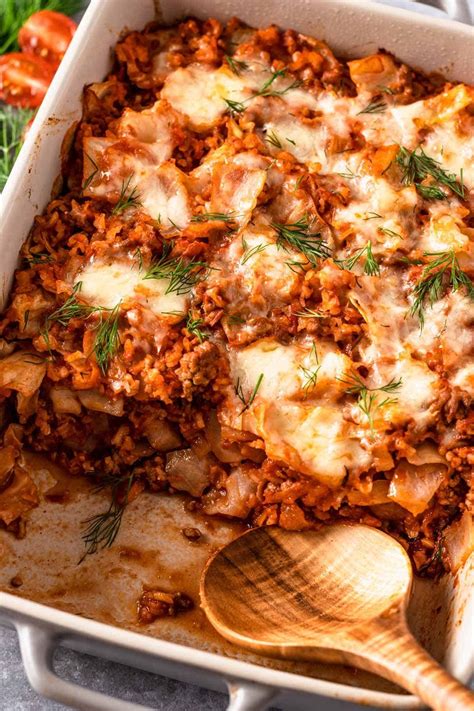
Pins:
x,y
298,235
247,401
376,106
371,266
193,325
236,65
368,399
107,340
416,166
442,272
182,276
129,197
102,529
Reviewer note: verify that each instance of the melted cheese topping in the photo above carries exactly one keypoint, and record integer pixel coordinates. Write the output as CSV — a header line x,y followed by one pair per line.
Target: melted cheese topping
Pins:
x,y
108,285
285,154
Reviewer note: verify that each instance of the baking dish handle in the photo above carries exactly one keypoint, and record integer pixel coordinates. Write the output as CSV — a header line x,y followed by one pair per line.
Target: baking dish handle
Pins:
x,y
455,9
37,646
246,696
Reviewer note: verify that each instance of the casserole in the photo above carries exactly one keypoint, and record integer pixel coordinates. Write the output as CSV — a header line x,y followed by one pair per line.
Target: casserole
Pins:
x,y
52,151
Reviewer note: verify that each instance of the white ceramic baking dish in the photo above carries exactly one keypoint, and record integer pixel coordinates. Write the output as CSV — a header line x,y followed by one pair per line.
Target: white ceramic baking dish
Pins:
x,y
90,607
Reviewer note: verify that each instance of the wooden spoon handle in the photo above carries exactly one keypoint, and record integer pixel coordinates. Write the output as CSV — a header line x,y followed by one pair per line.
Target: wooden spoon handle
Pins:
x,y
399,657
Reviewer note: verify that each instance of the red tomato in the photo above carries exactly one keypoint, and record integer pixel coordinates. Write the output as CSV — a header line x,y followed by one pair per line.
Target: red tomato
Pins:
x,y
24,79
47,34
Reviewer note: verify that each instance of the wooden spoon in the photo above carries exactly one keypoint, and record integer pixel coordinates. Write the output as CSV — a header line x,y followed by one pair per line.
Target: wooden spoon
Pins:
x,y
335,595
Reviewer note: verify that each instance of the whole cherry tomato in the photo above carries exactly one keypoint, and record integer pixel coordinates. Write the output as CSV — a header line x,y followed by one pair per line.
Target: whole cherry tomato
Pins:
x,y
24,79
47,34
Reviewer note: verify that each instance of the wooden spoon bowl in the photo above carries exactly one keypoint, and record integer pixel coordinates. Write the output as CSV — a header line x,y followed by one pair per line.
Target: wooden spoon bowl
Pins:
x,y
338,595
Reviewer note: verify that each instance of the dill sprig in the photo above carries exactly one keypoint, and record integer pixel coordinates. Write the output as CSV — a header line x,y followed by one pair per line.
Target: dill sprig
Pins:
x,y
129,197
214,217
12,124
247,401
416,166
237,107
107,339
372,216
376,106
234,107
388,232
368,399
442,272
182,276
72,308
35,258
102,529
297,235
193,326
236,65
235,319
267,90
14,14
250,252
92,175
311,374
349,174
371,266
273,139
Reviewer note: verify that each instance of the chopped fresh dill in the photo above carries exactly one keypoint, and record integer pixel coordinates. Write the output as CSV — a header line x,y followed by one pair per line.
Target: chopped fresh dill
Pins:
x,y
295,265
139,257
349,174
431,192
266,90
371,266
252,251
247,401
129,197
102,529
372,216
236,65
416,166
310,377
92,175
273,139
290,141
71,308
388,232
35,258
407,260
12,125
368,399
297,235
442,272
182,276
193,325
235,319
376,106
235,107
385,89
107,339
214,217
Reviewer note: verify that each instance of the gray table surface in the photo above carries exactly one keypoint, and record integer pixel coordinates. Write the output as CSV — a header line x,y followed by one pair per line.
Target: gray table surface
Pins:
x,y
115,679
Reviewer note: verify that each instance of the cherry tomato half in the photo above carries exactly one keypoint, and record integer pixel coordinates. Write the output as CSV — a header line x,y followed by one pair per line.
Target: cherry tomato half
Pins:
x,y
47,34
24,79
